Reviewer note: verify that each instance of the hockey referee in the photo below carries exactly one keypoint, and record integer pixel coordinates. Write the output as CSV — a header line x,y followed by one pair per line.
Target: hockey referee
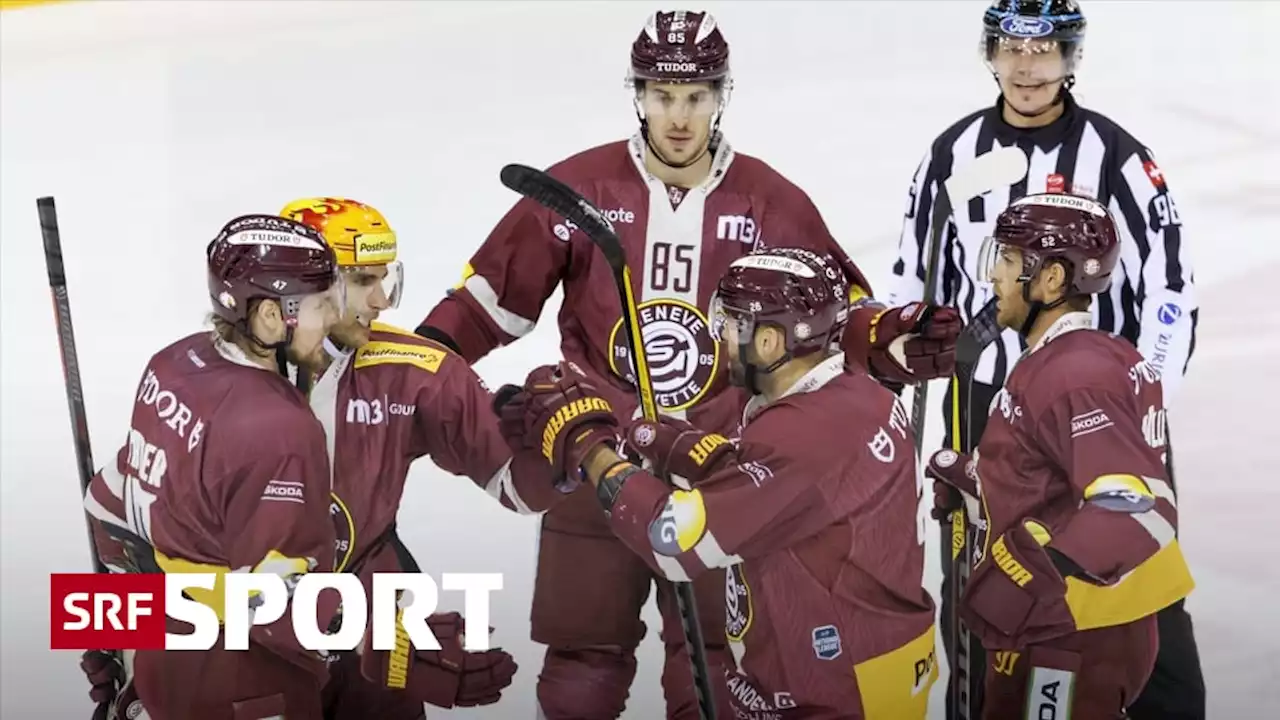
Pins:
x,y
1032,48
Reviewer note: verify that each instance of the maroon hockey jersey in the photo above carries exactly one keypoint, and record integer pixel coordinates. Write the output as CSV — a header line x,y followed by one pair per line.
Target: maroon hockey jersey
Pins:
x,y
1076,440
815,517
678,249
224,469
394,400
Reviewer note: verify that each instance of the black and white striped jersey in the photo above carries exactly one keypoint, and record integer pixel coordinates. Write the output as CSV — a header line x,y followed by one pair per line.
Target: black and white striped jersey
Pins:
x,y
1152,300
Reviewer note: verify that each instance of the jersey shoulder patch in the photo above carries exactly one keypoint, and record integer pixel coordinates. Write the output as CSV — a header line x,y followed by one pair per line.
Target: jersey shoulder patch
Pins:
x,y
422,354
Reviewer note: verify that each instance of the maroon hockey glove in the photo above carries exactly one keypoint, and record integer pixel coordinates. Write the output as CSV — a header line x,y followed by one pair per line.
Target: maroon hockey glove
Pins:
x,y
564,416
916,342
105,674
509,405
1016,596
955,485
677,448
448,677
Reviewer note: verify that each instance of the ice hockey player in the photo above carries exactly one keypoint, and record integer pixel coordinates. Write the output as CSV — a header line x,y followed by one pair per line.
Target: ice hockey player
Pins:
x,y
685,205
382,408
1076,549
225,469
1034,48
811,507
388,397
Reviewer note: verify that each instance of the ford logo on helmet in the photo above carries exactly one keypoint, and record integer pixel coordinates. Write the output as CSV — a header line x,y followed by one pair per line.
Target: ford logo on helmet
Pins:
x,y
1025,27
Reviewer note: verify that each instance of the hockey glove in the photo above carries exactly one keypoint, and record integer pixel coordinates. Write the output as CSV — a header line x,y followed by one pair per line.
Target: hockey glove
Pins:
x,y
565,417
676,449
955,485
446,678
106,675
914,343
1017,596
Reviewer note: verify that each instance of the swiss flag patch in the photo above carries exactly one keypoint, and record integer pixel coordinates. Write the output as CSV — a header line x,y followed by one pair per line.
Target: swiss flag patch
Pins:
x,y
1154,174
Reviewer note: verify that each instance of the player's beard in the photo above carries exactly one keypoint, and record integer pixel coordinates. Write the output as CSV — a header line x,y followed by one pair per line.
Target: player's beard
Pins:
x,y
350,333
313,361
737,374
1011,310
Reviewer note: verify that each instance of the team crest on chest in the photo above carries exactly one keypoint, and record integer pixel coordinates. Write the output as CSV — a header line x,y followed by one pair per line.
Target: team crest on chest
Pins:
x,y
682,356
737,603
344,527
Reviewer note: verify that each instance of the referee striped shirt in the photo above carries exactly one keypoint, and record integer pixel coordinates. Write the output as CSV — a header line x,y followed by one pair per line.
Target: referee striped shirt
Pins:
x,y
1152,299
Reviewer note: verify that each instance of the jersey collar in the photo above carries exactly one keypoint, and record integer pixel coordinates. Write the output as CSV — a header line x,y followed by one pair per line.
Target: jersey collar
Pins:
x,y
637,148
1046,138
823,373
1063,325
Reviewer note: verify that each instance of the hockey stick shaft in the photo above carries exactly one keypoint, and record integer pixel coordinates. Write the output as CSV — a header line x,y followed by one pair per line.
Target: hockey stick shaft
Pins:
x,y
981,332
563,200
70,359
1001,167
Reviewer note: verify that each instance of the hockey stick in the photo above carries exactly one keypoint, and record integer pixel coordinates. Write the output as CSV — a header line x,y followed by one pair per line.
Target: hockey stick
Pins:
x,y
1001,167
563,200
981,332
70,360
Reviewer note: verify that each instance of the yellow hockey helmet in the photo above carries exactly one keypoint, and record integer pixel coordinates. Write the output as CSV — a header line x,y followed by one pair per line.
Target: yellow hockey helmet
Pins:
x,y
359,235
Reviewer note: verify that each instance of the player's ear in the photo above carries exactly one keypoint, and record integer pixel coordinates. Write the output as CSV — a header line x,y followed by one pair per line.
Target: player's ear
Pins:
x,y
1056,282
267,322
770,344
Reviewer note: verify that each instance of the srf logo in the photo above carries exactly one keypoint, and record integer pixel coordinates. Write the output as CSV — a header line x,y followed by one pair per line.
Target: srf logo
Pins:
x,y
119,611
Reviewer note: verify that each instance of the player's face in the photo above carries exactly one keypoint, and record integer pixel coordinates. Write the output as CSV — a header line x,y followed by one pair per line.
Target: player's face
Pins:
x,y
1031,73
1006,268
318,315
367,296
679,117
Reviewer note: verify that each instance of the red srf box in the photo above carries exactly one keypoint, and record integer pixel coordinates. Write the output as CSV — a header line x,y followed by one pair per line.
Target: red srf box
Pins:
x,y
101,611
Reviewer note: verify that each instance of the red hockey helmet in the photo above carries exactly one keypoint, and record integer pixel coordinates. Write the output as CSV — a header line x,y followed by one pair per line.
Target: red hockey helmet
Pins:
x,y
798,291
1052,226
265,256
680,46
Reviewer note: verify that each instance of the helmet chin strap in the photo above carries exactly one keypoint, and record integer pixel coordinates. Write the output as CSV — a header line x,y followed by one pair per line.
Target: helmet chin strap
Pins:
x,y
1058,98
1035,307
281,348
751,372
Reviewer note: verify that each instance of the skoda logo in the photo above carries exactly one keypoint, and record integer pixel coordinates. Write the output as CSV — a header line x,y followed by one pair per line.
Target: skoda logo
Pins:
x,y
1023,26
681,355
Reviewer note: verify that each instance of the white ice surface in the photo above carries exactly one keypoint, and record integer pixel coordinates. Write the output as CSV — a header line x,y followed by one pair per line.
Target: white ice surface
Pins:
x,y
155,122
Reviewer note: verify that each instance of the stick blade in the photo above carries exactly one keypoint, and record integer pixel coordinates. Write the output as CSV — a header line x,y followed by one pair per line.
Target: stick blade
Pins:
x,y
563,200
1001,167
981,331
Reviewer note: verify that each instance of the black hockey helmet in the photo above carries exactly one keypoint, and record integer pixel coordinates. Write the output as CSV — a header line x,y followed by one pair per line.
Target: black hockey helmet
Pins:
x,y
1035,24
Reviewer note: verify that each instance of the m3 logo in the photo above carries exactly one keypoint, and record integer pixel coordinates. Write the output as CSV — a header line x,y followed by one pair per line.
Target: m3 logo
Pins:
x,y
370,412
739,228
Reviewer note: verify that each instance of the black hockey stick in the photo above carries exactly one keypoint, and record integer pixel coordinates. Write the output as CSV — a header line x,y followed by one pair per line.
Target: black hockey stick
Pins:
x,y
981,331
563,200
70,360
1001,167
